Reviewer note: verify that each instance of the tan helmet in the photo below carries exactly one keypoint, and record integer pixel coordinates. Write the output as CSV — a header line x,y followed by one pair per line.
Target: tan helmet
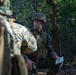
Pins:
x,y
39,16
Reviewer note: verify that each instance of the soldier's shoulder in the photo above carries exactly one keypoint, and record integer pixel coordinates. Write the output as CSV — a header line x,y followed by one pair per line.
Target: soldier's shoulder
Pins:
x,y
15,25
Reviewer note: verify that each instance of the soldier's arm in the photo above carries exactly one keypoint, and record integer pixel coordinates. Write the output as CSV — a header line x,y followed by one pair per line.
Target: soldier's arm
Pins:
x,y
31,41
52,53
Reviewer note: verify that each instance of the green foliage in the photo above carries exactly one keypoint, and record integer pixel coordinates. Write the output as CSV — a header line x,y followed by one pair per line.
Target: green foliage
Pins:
x,y
24,10
68,27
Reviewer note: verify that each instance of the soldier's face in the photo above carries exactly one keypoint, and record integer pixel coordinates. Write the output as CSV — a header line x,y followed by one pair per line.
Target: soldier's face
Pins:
x,y
37,25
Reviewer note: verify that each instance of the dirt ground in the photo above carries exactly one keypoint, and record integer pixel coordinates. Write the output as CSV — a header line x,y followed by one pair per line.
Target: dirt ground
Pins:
x,y
61,72
67,69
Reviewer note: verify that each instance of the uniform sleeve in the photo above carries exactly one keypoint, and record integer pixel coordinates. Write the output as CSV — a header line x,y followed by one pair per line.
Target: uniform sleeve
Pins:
x,y
31,41
52,53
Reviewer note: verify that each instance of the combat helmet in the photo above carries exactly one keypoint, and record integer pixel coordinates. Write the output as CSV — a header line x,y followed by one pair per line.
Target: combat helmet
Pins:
x,y
5,10
39,16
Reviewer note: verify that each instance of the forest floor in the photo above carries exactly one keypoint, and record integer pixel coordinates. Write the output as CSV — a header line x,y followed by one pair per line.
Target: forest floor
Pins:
x,y
67,69
67,72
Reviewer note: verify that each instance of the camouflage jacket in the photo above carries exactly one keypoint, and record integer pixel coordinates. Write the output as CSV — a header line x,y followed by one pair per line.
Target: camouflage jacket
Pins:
x,y
46,41
22,33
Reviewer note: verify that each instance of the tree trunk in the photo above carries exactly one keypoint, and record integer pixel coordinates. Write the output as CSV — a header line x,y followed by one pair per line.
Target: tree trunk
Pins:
x,y
55,25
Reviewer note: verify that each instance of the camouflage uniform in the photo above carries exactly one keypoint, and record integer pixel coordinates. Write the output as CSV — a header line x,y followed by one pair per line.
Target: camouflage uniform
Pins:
x,y
45,52
25,43
21,33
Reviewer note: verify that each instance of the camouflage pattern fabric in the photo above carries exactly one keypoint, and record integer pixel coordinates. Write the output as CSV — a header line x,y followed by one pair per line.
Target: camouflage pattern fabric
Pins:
x,y
39,16
5,8
22,34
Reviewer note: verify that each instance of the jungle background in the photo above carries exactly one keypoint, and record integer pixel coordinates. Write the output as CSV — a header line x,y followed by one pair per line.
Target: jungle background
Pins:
x,y
61,22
